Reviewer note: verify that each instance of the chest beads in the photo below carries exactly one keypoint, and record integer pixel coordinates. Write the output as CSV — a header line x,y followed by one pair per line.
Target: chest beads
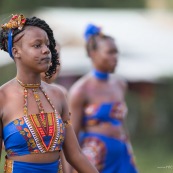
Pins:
x,y
34,88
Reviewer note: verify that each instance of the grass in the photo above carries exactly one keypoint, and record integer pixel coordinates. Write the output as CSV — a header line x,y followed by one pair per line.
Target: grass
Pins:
x,y
2,162
154,157
149,156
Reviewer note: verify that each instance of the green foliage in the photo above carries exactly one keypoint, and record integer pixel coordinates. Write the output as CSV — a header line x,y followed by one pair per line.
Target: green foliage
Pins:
x,y
8,6
7,72
151,116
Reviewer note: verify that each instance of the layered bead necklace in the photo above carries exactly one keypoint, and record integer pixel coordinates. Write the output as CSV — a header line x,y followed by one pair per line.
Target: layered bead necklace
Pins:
x,y
34,88
28,85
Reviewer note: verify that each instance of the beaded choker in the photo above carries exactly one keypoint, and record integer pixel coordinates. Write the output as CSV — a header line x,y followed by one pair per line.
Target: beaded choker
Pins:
x,y
100,75
28,85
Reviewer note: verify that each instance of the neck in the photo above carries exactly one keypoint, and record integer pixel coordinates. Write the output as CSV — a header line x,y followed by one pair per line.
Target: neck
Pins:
x,y
100,75
29,78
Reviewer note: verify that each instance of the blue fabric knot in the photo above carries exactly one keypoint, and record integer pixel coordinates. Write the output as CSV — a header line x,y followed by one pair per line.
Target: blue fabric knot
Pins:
x,y
91,30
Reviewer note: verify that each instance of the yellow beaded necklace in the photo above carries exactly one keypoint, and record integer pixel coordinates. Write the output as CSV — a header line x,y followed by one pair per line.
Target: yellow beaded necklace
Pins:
x,y
37,85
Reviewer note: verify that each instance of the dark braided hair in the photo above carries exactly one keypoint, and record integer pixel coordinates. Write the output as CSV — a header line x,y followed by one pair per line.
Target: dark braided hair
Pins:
x,y
34,21
92,42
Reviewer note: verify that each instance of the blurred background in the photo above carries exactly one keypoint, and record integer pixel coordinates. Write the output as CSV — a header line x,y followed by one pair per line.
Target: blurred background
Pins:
x,y
143,30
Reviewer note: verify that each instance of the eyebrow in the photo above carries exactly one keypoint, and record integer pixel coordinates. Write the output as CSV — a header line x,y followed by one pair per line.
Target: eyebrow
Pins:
x,y
40,40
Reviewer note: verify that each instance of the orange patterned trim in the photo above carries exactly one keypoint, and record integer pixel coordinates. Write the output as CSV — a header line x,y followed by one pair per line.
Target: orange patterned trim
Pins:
x,y
8,167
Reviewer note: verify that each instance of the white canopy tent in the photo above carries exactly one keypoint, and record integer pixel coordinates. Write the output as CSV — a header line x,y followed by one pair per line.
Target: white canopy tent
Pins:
x,y
145,45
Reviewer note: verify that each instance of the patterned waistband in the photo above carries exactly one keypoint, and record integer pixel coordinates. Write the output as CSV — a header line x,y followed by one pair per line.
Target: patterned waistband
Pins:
x,y
8,167
17,166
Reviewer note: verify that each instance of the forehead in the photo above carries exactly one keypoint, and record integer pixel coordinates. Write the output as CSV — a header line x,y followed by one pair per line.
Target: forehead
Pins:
x,y
34,33
107,43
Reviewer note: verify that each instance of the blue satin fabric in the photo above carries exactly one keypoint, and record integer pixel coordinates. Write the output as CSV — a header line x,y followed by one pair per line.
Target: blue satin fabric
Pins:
x,y
105,112
24,167
21,137
108,154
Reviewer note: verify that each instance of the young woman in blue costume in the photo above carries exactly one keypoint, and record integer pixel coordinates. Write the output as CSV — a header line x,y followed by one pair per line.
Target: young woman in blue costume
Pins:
x,y
34,118
98,108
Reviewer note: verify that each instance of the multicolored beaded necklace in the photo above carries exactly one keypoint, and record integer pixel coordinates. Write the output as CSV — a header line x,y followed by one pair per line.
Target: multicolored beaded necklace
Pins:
x,y
35,88
28,85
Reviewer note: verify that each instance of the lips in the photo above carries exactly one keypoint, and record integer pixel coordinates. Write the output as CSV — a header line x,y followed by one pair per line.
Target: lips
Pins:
x,y
46,59
114,63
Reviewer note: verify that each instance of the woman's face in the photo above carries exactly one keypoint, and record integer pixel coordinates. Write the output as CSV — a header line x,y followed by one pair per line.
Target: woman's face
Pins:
x,y
32,52
106,55
54,76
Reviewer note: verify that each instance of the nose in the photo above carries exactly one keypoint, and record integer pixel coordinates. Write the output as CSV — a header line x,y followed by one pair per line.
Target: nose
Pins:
x,y
46,49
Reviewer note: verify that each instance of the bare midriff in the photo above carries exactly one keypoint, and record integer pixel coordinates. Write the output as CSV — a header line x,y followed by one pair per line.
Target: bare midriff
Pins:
x,y
38,158
107,129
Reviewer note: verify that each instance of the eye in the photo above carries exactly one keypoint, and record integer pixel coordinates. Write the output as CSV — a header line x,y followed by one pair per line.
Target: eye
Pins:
x,y
37,45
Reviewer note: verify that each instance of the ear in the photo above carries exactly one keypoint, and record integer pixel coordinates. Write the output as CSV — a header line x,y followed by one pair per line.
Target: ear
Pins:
x,y
16,52
92,54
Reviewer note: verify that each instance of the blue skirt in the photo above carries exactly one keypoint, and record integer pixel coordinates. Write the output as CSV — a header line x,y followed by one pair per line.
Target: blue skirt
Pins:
x,y
25,167
108,154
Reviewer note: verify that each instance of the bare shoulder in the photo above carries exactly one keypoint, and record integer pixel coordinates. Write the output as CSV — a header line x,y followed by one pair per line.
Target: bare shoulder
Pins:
x,y
53,90
120,81
79,87
60,87
4,90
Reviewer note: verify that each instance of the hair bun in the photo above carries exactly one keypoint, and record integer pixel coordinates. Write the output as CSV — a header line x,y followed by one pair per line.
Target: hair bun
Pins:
x,y
91,30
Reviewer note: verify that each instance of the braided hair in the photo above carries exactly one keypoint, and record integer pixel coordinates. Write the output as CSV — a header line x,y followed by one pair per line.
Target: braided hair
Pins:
x,y
34,21
93,35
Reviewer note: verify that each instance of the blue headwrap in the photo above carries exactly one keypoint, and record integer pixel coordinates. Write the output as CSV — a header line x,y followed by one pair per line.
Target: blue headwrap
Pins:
x,y
91,30
10,42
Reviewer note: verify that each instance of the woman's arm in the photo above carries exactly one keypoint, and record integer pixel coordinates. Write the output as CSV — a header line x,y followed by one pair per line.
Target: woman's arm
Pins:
x,y
65,165
1,100
74,154
71,146
76,100
0,137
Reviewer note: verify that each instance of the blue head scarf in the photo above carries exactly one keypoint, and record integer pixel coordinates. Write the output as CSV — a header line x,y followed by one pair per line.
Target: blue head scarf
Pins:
x,y
10,43
91,30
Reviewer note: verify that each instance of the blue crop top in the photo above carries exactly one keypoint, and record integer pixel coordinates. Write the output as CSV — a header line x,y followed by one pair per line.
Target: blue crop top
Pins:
x,y
36,133
112,112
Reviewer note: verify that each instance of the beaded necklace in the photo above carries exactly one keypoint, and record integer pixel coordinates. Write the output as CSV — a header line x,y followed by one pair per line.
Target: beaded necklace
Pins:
x,y
28,85
35,88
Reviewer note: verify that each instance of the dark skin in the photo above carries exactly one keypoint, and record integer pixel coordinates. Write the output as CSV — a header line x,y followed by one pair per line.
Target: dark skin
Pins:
x,y
32,57
65,165
89,90
54,76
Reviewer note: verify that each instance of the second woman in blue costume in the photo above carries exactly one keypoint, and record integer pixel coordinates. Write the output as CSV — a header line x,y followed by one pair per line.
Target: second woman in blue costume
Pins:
x,y
99,109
